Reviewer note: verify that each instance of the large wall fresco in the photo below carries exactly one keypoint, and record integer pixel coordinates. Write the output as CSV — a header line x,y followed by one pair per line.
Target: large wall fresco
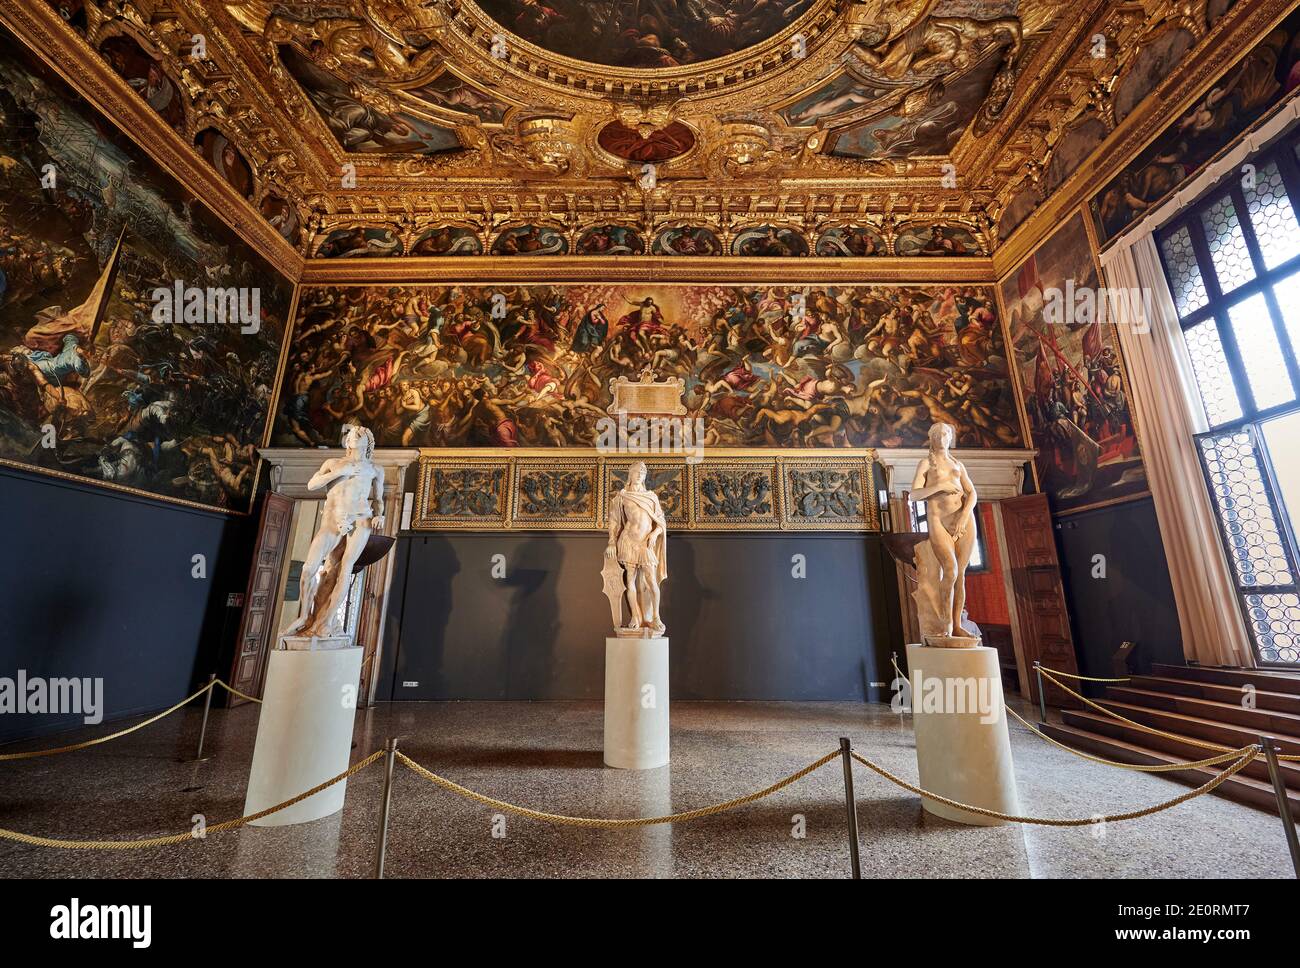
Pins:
x,y
1072,377
503,366
92,383
1260,80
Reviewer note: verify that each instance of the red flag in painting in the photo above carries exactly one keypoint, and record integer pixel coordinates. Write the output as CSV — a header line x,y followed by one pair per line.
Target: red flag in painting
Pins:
x,y
1092,341
1028,280
1044,372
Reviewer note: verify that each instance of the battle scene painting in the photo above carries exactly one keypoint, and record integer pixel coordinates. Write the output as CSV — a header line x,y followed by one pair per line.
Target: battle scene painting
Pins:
x,y
1243,95
654,33
764,366
93,383
1072,378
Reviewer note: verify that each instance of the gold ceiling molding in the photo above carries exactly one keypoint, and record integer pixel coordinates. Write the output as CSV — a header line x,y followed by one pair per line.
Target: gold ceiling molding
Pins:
x,y
520,137
527,121
1216,49
649,269
572,222
38,26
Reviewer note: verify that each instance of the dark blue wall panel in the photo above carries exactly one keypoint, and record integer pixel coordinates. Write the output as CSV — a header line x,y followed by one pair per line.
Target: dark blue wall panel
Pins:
x,y
99,584
1134,601
741,626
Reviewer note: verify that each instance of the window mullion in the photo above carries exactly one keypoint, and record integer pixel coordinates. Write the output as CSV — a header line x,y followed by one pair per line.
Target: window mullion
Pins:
x,y
1236,369
1263,280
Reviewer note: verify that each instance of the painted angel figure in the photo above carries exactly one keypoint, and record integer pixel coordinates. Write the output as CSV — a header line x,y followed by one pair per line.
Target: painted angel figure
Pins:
x,y
636,558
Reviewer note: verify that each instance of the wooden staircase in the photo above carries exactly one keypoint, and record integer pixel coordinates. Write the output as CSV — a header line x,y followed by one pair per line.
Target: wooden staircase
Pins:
x,y
1200,703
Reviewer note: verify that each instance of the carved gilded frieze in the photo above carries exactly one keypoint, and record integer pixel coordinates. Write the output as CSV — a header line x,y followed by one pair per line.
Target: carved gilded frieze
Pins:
x,y
726,489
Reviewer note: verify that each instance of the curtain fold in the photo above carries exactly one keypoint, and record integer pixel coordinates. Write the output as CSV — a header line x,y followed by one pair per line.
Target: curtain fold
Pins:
x,y
1168,412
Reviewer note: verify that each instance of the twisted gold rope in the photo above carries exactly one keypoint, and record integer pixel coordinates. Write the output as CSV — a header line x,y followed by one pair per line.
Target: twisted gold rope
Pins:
x,y
558,818
29,754
1151,729
104,739
1071,675
182,838
1247,753
1166,768
236,692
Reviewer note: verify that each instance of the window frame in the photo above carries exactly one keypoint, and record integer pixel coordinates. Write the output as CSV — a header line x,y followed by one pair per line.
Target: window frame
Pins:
x,y
1218,304
1286,154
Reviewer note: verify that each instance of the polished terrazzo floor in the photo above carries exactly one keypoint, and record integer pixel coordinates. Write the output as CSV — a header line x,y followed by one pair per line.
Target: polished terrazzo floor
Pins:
x,y
547,756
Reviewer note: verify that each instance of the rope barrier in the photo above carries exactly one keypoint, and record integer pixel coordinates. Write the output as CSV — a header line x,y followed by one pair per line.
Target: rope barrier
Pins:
x,y
1247,753
559,818
182,838
30,754
897,671
1151,729
235,692
1071,675
1163,768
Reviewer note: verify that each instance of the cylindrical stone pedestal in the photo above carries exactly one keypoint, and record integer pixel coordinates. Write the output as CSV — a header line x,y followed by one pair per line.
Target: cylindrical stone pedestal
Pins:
x,y
963,751
636,703
304,735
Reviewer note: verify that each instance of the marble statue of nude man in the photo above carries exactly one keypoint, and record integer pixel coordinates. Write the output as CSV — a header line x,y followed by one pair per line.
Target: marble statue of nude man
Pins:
x,y
942,482
354,506
638,543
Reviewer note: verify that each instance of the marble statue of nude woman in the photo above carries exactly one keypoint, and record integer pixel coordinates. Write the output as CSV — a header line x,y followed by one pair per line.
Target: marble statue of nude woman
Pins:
x,y
942,482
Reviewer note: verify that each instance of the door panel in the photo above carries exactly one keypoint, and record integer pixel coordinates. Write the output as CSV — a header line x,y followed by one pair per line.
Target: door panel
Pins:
x,y
1038,612
260,601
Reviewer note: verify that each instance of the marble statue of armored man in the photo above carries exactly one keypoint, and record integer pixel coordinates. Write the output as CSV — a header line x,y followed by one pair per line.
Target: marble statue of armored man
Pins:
x,y
354,506
636,558
942,483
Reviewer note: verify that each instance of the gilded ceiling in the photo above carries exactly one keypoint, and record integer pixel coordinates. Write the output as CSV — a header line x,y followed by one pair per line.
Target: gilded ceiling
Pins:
x,y
629,127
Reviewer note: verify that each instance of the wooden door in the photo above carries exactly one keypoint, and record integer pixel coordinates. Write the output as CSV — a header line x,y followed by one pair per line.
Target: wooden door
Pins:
x,y
1039,617
260,600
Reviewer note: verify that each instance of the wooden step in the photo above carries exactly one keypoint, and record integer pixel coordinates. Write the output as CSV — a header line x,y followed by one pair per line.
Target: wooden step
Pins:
x,y
1240,788
1177,749
1210,730
1281,702
1270,680
1261,720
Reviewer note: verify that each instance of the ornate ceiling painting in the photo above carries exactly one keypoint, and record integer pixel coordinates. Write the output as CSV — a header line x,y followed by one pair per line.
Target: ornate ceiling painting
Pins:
x,y
835,128
646,34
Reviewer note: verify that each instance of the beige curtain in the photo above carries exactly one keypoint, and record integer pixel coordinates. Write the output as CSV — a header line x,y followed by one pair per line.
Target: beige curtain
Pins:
x,y
1168,412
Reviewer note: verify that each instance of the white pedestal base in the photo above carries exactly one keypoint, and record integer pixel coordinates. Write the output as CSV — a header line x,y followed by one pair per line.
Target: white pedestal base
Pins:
x,y
636,703
304,735
962,753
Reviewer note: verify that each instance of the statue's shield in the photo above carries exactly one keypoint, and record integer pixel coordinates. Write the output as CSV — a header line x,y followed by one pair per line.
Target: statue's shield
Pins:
x,y
612,577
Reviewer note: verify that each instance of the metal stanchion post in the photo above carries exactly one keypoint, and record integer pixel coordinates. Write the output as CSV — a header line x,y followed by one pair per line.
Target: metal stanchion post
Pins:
x,y
1283,807
1042,696
207,708
851,805
390,760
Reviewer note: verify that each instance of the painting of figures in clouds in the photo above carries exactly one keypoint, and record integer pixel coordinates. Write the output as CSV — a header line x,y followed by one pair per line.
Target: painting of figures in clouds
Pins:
x,y
765,366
